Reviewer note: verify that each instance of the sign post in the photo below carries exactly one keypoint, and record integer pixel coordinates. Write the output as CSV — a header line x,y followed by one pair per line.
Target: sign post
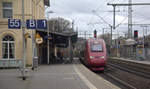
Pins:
x,y
23,46
30,24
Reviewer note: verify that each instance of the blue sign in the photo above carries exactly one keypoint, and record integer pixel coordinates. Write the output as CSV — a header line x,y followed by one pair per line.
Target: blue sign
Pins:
x,y
31,24
14,23
42,24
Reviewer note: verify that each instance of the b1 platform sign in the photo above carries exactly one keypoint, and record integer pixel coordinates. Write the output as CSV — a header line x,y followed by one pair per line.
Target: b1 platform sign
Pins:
x,y
31,24
14,23
42,24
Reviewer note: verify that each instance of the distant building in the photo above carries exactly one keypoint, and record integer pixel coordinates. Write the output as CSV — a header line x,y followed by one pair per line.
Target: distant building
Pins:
x,y
11,39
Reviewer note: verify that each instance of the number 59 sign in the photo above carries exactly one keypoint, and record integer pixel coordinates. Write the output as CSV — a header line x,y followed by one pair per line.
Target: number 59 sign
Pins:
x,y
14,23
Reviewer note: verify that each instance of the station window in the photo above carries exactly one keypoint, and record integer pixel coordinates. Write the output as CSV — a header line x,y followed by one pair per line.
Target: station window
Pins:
x,y
7,10
8,47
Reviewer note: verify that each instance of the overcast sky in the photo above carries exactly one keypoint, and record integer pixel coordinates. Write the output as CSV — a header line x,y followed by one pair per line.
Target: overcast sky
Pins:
x,y
85,20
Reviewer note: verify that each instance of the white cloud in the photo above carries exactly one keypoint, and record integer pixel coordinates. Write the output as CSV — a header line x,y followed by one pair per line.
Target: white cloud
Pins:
x,y
81,12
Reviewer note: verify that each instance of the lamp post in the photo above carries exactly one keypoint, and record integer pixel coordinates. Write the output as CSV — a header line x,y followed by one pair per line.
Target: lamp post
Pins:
x,y
48,61
23,45
33,41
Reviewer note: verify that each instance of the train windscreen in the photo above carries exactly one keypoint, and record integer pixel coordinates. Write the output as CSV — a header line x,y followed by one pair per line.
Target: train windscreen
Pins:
x,y
96,48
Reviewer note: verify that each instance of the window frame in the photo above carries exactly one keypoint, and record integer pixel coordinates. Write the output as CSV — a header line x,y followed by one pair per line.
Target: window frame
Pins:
x,y
7,8
8,42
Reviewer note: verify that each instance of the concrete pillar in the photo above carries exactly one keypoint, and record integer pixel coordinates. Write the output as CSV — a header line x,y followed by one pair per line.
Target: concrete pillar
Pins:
x,y
55,51
70,49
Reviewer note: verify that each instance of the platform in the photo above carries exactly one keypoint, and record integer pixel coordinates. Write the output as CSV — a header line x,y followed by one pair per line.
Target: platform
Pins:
x,y
131,60
56,76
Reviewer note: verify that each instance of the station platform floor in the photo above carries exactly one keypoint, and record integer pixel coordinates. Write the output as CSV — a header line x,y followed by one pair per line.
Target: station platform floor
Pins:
x,y
131,60
54,76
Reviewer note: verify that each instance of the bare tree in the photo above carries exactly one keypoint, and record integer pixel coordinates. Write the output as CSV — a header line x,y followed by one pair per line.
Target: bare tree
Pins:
x,y
60,25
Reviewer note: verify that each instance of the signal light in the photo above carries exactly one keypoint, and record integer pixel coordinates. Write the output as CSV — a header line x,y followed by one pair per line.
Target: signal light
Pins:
x,y
136,34
95,33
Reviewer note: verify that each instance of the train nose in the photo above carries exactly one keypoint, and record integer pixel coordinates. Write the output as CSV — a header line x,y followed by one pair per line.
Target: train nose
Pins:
x,y
98,61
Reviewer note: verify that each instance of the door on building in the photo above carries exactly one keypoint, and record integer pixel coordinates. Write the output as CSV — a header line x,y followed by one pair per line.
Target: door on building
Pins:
x,y
44,55
8,47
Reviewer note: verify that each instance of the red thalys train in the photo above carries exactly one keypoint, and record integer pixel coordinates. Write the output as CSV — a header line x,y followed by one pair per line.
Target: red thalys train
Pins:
x,y
93,54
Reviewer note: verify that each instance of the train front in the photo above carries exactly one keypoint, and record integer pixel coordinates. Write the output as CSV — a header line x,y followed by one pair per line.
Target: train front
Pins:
x,y
97,55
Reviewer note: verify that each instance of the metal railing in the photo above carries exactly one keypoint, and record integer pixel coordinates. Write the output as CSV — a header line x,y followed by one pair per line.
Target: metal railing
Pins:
x,y
10,63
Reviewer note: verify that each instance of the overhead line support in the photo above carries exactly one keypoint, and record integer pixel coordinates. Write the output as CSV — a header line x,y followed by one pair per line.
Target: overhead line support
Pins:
x,y
127,4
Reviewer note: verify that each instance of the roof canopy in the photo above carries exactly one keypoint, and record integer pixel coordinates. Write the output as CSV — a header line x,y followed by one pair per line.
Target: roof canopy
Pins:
x,y
61,40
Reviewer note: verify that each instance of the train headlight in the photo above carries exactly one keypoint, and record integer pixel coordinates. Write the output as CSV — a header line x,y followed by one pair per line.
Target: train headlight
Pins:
x,y
91,57
102,57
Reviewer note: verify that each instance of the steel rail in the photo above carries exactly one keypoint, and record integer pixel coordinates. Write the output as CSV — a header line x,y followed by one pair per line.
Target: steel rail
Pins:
x,y
135,72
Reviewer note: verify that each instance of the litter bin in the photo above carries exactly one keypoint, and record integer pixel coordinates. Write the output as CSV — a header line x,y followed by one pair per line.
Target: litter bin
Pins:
x,y
35,63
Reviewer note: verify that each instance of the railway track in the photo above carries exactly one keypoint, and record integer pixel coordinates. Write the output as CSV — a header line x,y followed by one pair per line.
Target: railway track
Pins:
x,y
127,76
138,73
132,66
113,79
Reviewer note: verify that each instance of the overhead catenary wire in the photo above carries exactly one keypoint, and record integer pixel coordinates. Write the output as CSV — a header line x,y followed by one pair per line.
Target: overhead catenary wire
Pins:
x,y
106,15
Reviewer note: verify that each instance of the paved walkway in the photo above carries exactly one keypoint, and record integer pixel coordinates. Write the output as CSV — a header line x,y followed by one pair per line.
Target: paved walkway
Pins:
x,y
58,76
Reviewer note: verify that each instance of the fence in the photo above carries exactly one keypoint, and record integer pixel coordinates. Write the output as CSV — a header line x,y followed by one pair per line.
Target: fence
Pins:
x,y
131,52
10,63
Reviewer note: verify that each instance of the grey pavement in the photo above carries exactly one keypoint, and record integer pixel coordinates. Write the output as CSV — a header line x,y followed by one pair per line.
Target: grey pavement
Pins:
x,y
61,76
54,76
9,79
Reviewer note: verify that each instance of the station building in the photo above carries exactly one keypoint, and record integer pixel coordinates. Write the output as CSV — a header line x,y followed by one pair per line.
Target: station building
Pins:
x,y
11,43
11,40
